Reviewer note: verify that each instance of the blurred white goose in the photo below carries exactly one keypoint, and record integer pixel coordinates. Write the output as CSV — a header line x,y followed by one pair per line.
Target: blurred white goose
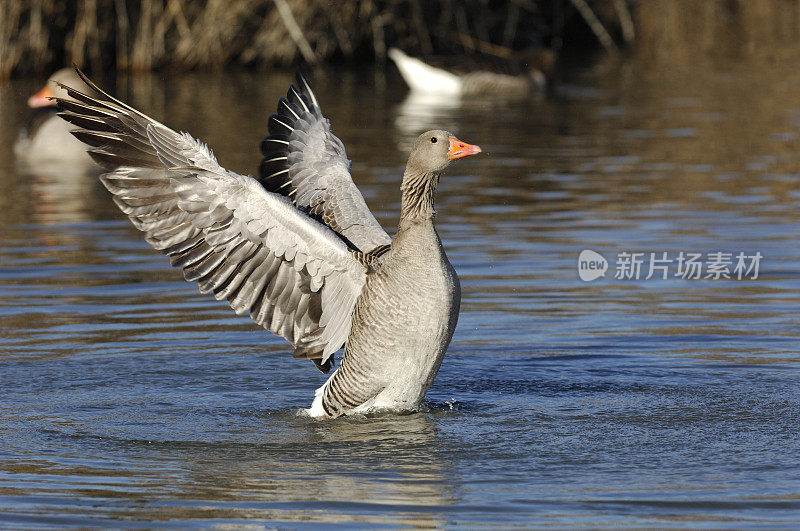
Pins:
x,y
298,250
47,138
423,77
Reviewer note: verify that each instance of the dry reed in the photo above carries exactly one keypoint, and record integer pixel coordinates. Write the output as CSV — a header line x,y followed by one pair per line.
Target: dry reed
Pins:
x,y
37,36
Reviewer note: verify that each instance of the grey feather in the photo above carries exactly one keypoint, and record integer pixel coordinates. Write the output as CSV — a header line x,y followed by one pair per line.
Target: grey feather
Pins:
x,y
304,160
224,230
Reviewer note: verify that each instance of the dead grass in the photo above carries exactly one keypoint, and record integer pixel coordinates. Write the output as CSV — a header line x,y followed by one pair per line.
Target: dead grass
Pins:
x,y
37,36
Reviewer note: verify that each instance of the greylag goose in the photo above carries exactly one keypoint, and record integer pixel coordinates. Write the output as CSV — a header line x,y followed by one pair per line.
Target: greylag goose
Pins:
x,y
422,77
47,138
297,249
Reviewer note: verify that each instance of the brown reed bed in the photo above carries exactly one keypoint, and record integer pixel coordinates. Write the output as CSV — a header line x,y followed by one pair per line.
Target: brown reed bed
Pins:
x,y
37,36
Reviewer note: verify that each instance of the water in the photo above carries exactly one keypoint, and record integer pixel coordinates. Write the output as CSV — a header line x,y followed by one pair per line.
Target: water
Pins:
x,y
129,400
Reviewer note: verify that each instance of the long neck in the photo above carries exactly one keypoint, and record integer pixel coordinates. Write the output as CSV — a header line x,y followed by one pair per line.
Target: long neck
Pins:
x,y
417,200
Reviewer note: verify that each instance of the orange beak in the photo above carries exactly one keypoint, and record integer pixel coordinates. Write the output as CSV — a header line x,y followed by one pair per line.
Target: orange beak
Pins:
x,y
42,98
459,149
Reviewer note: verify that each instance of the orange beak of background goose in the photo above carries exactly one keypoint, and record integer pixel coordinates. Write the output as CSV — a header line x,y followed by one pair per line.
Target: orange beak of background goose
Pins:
x,y
42,98
459,149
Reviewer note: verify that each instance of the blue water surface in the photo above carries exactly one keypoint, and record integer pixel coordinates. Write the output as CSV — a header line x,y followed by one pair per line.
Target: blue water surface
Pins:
x,y
128,399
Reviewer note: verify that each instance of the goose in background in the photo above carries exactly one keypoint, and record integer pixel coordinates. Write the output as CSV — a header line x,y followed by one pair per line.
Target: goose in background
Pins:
x,y
422,77
297,249
46,140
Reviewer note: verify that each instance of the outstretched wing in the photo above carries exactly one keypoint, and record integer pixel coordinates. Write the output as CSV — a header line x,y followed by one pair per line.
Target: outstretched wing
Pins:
x,y
292,274
303,160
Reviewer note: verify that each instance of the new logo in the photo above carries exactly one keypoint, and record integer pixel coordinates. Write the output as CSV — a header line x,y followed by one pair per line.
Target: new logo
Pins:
x,y
591,265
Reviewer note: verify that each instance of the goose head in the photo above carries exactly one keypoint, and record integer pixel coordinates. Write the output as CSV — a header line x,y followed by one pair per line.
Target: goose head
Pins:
x,y
433,151
51,89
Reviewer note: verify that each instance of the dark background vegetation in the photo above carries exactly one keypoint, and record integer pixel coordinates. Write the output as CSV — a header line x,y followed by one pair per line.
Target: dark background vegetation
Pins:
x,y
38,36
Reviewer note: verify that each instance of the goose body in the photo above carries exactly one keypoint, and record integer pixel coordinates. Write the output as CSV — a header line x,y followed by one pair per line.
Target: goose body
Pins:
x,y
297,249
389,364
47,138
422,77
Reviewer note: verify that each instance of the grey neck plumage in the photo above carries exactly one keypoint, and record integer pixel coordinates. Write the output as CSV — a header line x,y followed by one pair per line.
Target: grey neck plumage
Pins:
x,y
417,201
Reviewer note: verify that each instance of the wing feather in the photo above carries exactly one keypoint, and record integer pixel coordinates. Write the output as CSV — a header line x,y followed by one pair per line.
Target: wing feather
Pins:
x,y
305,161
295,276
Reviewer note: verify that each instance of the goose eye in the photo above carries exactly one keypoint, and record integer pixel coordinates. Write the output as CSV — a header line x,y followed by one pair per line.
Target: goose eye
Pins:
x,y
434,140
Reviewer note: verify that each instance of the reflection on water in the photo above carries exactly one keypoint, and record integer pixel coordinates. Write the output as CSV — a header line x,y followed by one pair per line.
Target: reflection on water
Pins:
x,y
60,193
128,396
379,463
423,111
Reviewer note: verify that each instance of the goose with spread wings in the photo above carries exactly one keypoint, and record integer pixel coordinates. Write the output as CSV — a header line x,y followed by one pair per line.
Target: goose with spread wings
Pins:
x,y
297,248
